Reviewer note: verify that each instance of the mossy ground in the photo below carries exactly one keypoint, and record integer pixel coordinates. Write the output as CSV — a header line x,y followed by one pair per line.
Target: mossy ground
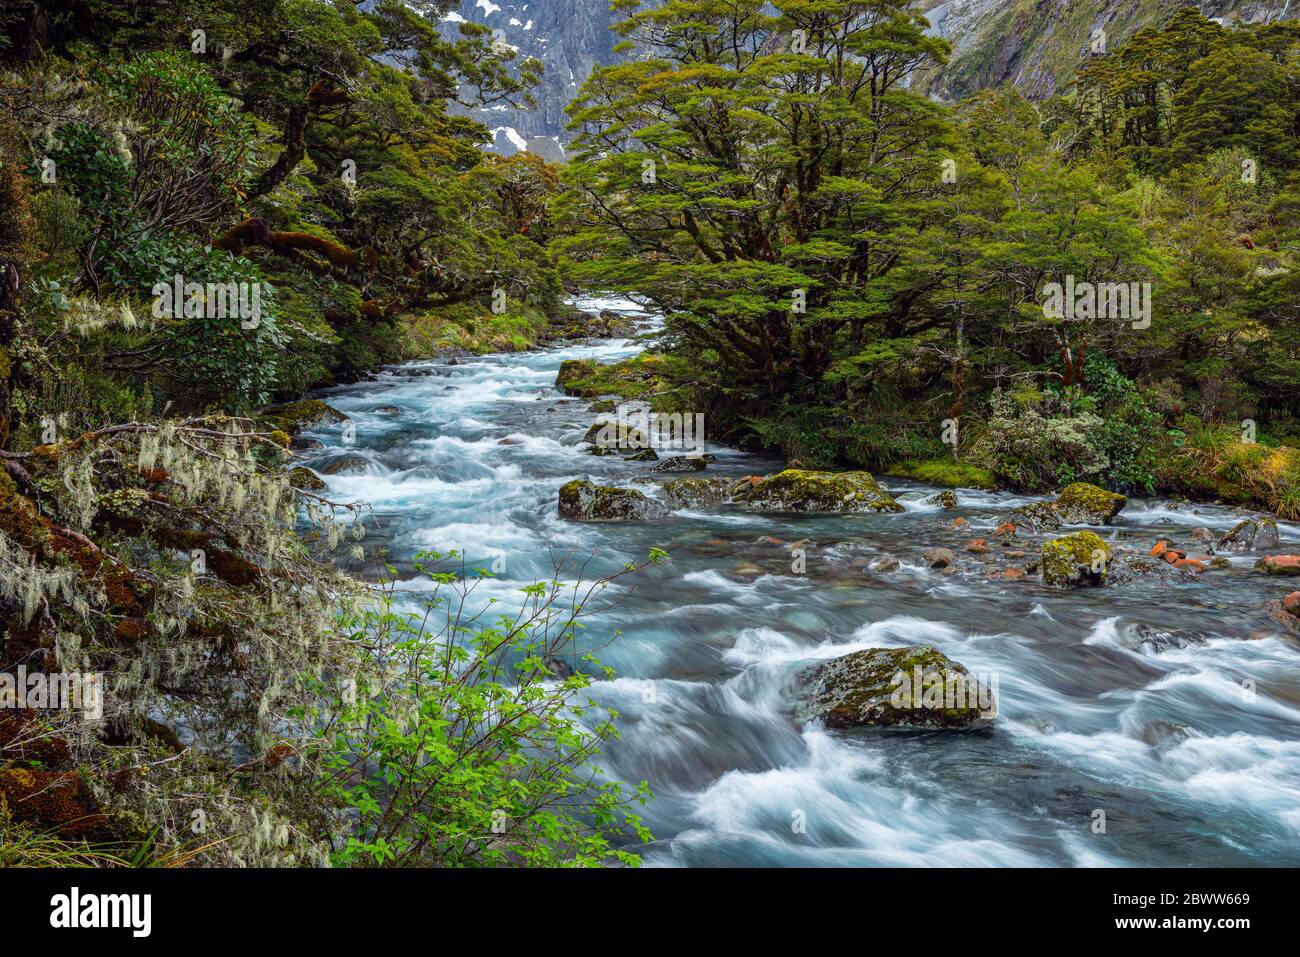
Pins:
x,y
469,327
945,472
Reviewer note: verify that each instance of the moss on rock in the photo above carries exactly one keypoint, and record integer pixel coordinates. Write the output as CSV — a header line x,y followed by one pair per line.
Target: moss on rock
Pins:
x,y
800,490
695,492
1081,558
585,501
293,417
1082,504
914,687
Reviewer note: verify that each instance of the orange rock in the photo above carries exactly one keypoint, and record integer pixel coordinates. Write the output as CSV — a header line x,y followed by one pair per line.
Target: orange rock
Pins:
x,y
1280,564
1158,550
1006,528
1190,565
1014,573
960,522
1291,604
978,546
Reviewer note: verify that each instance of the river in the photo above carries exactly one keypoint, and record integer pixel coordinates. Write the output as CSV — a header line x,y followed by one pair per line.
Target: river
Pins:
x,y
1189,744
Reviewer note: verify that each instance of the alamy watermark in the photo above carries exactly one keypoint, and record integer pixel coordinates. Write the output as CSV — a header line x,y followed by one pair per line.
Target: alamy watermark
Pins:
x,y
640,428
1073,300
212,300
53,691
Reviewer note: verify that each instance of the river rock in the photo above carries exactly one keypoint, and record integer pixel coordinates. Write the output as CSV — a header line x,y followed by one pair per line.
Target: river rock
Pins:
x,y
346,465
695,492
622,436
682,463
1036,517
1279,564
914,687
386,410
1134,569
944,499
800,490
306,479
293,417
1078,559
1082,504
1250,535
584,501
299,444
1288,616
939,557
644,455
1153,641
572,370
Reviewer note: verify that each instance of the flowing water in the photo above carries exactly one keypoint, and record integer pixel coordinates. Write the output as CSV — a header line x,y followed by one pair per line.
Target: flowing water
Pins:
x,y
1190,745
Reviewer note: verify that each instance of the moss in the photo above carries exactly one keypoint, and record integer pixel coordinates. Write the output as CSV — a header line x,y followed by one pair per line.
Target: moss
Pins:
x,y
1075,559
616,435
877,687
305,478
58,801
581,500
694,492
801,490
293,417
638,377
945,472
1081,502
469,327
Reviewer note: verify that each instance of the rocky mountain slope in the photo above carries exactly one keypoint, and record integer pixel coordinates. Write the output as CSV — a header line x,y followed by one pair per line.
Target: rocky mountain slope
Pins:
x,y
569,36
1037,44
1034,44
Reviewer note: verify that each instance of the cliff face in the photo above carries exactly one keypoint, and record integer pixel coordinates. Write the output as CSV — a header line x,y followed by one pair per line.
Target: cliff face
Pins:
x,y
1034,44
569,36
1037,44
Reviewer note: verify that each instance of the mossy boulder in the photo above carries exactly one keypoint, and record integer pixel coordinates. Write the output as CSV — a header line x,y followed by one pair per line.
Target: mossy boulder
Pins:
x,y
696,492
637,377
1082,504
915,687
571,370
683,463
801,490
944,499
293,417
1078,559
306,479
617,435
1250,535
346,465
584,501
645,455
